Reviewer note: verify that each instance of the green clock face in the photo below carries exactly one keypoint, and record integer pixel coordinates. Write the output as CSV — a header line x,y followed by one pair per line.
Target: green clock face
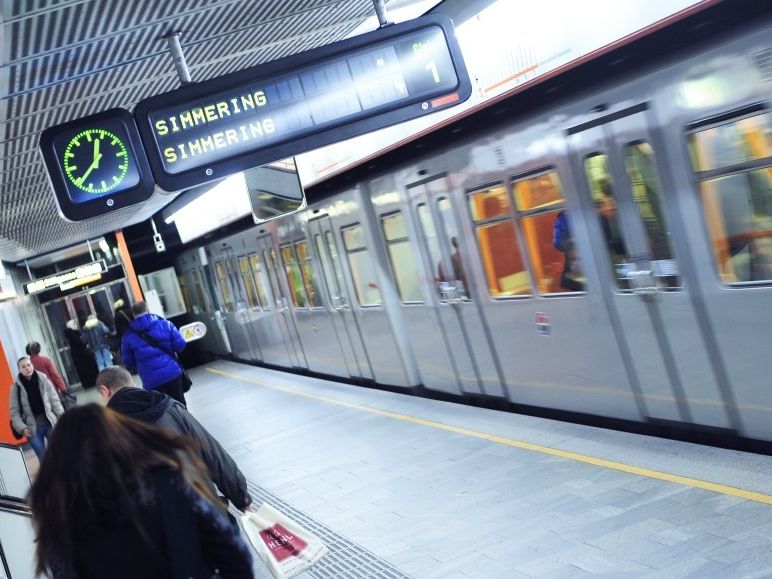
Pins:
x,y
96,161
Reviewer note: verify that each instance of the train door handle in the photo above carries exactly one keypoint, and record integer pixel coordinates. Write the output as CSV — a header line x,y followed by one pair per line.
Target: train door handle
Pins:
x,y
338,303
448,292
642,283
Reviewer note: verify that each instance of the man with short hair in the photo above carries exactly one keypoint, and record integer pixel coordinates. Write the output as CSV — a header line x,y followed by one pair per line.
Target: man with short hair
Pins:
x,y
121,394
151,346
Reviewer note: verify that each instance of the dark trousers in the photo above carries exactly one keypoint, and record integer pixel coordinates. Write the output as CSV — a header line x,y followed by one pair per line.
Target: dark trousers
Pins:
x,y
174,389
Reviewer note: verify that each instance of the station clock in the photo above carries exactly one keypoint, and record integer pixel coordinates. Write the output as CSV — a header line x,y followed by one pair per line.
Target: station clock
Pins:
x,y
96,164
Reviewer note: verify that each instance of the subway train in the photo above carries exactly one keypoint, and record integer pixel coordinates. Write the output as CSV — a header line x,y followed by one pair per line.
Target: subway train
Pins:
x,y
596,243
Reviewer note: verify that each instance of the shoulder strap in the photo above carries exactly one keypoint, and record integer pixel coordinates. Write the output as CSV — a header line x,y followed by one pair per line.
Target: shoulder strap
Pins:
x,y
151,341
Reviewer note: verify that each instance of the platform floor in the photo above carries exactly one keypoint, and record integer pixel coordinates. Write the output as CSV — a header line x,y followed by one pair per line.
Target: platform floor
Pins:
x,y
404,486
399,486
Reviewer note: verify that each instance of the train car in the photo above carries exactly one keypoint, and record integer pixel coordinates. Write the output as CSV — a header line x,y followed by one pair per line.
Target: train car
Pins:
x,y
597,242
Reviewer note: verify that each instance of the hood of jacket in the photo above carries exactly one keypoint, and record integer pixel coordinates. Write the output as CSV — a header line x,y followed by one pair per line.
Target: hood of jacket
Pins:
x,y
143,322
145,405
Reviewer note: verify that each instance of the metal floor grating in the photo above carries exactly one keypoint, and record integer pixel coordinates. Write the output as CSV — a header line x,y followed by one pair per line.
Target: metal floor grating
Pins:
x,y
346,559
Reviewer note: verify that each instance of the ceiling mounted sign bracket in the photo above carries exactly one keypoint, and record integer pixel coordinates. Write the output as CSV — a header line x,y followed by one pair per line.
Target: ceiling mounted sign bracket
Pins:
x,y
173,39
380,11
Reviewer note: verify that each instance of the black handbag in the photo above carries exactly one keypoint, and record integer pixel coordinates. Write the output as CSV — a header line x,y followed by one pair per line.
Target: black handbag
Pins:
x,y
68,400
16,435
186,381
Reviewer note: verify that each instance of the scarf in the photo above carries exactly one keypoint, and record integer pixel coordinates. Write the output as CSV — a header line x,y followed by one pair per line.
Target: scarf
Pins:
x,y
31,381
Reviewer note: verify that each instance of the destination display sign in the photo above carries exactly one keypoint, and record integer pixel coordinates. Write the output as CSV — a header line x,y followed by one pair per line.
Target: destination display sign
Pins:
x,y
208,130
68,279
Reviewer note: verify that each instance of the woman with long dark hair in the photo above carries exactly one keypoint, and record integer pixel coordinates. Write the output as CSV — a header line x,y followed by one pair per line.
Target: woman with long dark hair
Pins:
x,y
118,498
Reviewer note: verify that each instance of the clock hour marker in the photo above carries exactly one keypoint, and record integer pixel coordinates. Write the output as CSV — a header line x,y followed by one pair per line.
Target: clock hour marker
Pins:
x,y
121,154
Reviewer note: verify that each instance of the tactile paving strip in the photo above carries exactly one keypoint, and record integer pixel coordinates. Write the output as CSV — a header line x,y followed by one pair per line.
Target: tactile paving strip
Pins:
x,y
346,559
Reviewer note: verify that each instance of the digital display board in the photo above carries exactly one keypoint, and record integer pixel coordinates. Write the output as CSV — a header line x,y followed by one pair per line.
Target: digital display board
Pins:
x,y
208,130
96,164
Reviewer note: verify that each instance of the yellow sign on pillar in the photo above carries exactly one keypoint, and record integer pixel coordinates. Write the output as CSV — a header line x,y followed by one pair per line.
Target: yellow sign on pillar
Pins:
x,y
194,331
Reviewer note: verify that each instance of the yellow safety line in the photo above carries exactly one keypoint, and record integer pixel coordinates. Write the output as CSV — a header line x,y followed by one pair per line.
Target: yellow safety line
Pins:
x,y
682,480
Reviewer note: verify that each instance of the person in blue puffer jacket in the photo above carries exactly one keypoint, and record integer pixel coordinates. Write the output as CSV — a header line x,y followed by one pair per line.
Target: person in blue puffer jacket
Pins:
x,y
150,347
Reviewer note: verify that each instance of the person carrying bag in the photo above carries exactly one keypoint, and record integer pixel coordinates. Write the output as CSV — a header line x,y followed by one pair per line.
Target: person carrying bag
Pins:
x,y
150,347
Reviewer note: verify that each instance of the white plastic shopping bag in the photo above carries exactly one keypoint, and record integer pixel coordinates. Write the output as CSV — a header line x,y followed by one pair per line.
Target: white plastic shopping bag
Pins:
x,y
282,544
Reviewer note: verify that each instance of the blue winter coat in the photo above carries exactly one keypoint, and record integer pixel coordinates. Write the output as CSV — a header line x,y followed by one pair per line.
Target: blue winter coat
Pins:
x,y
155,367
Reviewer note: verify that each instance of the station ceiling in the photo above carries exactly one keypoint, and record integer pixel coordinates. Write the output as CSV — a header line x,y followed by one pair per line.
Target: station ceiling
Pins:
x,y
65,59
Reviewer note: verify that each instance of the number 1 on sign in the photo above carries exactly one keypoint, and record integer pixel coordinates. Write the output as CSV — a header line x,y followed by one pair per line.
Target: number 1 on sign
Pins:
x,y
431,67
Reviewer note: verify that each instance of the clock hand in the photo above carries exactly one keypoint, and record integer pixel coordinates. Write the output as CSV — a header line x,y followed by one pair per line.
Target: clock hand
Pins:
x,y
97,156
91,167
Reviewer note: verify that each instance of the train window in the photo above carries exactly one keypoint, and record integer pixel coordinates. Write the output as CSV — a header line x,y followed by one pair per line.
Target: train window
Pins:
x,y
223,283
307,271
259,277
734,169
402,258
738,211
598,175
182,281
246,278
272,263
432,243
362,267
198,290
294,277
498,245
450,229
642,171
335,262
330,280
547,234
732,143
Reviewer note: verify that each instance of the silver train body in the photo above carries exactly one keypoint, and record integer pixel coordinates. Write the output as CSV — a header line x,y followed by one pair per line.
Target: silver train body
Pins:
x,y
437,264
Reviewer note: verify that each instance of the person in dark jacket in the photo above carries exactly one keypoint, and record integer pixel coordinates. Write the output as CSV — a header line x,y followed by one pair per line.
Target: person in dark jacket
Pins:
x,y
136,505
123,316
117,389
571,278
97,336
150,346
84,362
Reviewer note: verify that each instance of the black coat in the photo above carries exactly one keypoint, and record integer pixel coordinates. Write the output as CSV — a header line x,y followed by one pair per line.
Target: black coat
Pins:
x,y
82,358
122,320
186,537
159,409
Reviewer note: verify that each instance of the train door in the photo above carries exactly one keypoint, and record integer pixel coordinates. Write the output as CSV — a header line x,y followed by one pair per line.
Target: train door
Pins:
x,y
58,314
313,320
230,303
462,327
346,328
284,318
251,307
618,168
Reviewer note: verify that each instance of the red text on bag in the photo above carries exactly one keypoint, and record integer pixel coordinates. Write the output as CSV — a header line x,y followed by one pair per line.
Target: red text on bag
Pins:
x,y
281,542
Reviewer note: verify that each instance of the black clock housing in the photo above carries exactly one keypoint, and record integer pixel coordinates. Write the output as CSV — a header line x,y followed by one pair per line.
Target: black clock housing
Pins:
x,y
96,164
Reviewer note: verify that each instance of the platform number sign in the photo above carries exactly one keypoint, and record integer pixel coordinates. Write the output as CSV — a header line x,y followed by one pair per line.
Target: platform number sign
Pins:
x,y
96,164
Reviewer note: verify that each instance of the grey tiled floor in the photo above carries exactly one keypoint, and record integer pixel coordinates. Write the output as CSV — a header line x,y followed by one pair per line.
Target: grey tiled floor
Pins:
x,y
439,504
